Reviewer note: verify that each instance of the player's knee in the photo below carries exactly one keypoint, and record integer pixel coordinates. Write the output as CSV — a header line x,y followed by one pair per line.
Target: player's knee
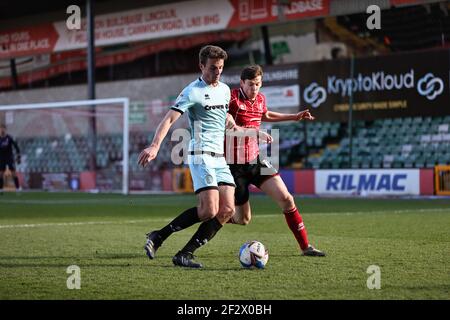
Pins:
x,y
287,201
227,211
241,220
242,214
246,216
245,220
207,212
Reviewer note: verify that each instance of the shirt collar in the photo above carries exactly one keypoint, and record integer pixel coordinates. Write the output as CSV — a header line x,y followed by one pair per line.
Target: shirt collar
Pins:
x,y
245,96
208,85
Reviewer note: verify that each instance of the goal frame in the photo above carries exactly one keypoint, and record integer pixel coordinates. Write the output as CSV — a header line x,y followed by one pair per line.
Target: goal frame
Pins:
x,y
124,101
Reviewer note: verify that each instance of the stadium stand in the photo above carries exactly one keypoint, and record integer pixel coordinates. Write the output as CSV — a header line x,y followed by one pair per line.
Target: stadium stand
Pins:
x,y
152,79
421,27
412,142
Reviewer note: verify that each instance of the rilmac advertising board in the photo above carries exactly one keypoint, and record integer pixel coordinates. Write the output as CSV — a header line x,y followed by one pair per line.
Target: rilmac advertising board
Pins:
x,y
370,182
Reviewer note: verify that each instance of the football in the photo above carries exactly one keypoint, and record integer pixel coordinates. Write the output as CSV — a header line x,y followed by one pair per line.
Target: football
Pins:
x,y
253,254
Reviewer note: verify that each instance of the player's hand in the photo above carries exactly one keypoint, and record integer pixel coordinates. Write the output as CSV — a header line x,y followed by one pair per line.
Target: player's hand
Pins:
x,y
230,123
147,155
18,159
264,137
304,115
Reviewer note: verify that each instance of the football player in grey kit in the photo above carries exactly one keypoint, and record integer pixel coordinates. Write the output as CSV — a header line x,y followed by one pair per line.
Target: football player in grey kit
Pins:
x,y
206,101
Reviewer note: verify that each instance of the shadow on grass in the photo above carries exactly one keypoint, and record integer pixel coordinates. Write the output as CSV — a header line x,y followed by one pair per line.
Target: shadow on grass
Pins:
x,y
108,256
134,260
119,265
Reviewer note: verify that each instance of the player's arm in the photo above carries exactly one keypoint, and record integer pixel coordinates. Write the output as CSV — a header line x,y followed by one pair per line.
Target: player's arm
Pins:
x,y
16,147
231,125
271,116
149,153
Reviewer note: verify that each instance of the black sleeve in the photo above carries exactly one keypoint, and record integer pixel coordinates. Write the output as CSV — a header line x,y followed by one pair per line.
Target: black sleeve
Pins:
x,y
16,146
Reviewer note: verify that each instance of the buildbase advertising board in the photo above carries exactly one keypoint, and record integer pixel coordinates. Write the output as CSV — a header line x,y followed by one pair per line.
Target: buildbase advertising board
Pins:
x,y
44,66
370,182
168,20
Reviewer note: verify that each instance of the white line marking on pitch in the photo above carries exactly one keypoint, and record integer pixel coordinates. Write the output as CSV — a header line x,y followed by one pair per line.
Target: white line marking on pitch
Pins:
x,y
65,224
83,223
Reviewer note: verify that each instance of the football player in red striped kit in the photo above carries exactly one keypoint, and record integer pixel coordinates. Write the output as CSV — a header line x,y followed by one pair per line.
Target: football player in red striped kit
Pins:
x,y
248,108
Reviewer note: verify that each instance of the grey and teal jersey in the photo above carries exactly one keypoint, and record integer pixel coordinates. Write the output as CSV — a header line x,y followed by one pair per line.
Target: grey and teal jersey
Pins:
x,y
207,108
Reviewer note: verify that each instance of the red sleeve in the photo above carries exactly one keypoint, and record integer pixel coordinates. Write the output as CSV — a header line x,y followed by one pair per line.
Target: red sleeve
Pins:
x,y
233,106
263,102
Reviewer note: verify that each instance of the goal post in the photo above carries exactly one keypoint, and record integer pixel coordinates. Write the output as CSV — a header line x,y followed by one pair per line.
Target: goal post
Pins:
x,y
42,108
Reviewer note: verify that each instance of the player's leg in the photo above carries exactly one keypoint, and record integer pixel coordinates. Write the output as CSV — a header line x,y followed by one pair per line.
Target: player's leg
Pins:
x,y
242,215
243,212
1,180
208,229
226,202
12,168
16,180
277,190
2,172
206,209
208,206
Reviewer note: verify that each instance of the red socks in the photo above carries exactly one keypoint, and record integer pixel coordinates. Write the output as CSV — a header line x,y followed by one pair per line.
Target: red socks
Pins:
x,y
295,223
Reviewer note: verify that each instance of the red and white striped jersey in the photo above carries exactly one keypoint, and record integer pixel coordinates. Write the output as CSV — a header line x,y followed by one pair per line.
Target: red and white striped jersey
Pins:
x,y
247,114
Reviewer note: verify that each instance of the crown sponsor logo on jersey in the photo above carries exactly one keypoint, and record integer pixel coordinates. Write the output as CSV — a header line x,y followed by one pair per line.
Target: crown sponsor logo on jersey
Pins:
x,y
207,96
220,106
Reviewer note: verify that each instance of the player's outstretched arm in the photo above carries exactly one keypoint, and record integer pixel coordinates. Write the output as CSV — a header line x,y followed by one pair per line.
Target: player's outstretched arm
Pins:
x,y
149,153
232,127
271,116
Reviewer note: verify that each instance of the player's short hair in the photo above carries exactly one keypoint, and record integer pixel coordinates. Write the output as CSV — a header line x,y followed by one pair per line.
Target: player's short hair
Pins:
x,y
251,72
211,52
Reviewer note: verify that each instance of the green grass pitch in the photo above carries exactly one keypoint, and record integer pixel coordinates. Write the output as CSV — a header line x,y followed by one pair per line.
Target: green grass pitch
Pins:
x,y
41,234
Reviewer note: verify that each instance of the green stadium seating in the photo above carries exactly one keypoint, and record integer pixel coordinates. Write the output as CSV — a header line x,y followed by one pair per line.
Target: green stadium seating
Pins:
x,y
413,142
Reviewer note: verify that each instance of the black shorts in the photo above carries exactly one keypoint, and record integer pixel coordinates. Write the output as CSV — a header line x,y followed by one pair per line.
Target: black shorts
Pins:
x,y
246,174
7,162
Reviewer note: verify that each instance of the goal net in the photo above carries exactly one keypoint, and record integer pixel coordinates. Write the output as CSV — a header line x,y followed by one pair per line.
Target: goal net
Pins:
x,y
72,145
